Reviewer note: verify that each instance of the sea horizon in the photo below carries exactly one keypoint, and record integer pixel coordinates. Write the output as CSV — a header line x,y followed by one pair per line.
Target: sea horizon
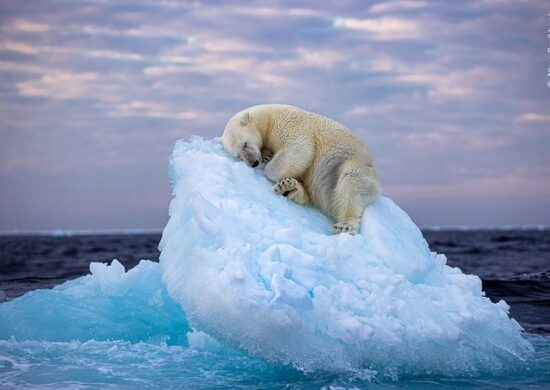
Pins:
x,y
130,231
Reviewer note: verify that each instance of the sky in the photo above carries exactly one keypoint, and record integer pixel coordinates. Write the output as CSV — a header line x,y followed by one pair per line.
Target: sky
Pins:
x,y
451,98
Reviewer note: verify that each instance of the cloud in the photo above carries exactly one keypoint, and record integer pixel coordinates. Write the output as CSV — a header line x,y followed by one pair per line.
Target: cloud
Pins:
x,y
531,117
375,109
393,6
226,45
59,85
24,48
164,70
18,47
323,59
441,86
138,108
383,28
441,80
28,26
142,31
274,12
17,67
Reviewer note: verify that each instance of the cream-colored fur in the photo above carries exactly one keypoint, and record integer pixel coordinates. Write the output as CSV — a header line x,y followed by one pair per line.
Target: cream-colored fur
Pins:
x,y
310,158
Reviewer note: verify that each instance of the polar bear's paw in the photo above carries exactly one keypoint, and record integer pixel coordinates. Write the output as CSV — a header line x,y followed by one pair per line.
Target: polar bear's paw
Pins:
x,y
286,186
267,155
342,227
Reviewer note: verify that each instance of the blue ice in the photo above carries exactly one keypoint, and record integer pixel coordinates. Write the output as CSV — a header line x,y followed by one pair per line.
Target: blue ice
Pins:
x,y
107,304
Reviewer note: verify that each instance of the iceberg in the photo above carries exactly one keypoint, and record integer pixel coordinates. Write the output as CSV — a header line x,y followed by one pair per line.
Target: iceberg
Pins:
x,y
260,273
107,304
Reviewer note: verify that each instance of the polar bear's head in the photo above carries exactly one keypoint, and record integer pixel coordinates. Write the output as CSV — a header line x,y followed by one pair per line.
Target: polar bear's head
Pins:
x,y
242,139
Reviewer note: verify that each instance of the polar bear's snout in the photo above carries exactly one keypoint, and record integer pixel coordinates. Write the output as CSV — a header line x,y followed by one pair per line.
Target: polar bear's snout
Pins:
x,y
251,157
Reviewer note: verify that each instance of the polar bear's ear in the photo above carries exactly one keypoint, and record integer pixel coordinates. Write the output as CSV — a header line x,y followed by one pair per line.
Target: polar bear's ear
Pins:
x,y
245,119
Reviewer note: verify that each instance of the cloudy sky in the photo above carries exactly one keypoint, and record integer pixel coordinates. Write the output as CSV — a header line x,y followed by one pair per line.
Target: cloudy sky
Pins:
x,y
452,99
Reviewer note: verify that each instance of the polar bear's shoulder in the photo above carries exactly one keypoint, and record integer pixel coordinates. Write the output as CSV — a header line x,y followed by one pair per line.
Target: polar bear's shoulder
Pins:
x,y
275,109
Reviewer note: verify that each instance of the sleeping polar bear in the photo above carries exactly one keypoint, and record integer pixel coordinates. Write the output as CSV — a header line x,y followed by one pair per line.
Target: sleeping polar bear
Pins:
x,y
310,158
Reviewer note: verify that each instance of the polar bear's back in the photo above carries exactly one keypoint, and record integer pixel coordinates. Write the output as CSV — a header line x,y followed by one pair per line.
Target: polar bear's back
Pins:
x,y
289,121
337,153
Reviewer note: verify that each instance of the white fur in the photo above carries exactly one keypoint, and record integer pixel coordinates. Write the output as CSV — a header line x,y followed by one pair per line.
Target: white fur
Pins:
x,y
315,159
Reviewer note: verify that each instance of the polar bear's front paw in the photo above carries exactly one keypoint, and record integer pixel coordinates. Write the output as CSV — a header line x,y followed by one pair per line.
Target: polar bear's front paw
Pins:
x,y
285,186
342,227
267,155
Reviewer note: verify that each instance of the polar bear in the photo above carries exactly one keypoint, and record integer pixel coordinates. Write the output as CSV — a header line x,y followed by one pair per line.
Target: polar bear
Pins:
x,y
310,158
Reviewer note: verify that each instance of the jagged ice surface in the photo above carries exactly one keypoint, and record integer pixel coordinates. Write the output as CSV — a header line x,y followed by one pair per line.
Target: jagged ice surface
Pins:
x,y
259,272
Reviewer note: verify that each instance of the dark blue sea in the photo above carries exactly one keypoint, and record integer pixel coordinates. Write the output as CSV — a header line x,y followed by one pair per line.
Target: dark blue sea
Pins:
x,y
514,265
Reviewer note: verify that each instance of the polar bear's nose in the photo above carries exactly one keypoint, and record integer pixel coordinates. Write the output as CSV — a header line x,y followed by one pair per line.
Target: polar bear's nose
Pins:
x,y
255,164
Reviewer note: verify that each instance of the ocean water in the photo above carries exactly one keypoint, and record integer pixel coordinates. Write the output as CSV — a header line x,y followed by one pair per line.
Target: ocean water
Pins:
x,y
78,348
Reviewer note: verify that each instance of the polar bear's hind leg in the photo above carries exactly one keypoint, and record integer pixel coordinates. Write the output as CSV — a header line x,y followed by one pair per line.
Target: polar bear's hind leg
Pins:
x,y
352,194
